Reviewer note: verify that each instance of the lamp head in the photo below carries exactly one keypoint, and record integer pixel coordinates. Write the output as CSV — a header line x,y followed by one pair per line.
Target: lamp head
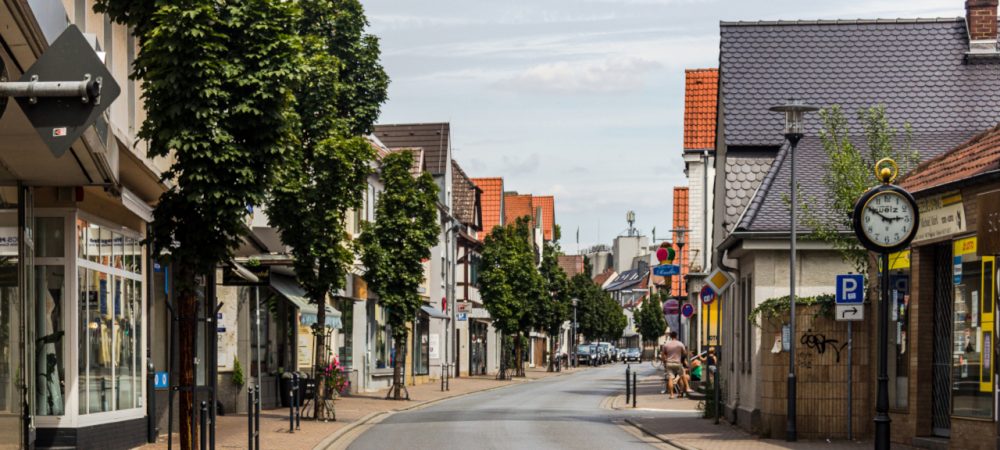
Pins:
x,y
794,111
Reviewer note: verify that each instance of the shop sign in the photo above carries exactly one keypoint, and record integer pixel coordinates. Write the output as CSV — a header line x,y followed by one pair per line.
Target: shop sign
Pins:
x,y
433,347
940,216
988,222
231,278
161,380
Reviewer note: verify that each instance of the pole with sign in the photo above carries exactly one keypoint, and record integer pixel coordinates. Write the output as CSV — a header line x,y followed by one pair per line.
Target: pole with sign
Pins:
x,y
850,301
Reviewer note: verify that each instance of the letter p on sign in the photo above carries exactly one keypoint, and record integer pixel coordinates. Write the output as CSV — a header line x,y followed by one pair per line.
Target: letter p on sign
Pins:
x,y
850,289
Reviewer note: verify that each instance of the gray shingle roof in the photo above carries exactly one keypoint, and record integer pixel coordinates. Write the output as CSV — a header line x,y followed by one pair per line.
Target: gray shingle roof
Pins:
x,y
769,209
916,68
464,197
744,173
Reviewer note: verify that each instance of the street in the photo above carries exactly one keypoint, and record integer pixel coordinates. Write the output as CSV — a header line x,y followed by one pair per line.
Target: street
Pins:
x,y
560,412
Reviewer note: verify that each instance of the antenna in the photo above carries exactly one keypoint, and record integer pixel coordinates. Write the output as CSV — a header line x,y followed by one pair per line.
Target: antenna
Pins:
x,y
630,218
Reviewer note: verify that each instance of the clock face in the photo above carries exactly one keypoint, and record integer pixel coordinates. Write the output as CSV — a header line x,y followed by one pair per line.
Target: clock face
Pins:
x,y
888,219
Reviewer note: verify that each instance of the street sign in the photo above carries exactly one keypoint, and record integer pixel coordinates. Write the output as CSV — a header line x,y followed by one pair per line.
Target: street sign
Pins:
x,y
850,312
719,280
161,380
707,295
666,270
671,307
462,316
687,310
850,289
59,121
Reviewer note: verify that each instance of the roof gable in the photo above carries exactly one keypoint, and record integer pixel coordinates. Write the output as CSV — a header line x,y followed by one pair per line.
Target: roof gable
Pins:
x,y
916,68
465,197
701,95
491,202
548,205
516,206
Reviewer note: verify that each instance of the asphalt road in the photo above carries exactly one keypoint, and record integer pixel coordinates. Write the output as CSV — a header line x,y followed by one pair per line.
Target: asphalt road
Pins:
x,y
555,413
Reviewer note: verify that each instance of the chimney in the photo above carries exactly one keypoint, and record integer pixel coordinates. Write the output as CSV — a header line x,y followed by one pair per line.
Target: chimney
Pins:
x,y
981,22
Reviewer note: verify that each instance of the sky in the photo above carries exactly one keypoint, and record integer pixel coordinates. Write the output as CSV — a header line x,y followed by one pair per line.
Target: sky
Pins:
x,y
580,99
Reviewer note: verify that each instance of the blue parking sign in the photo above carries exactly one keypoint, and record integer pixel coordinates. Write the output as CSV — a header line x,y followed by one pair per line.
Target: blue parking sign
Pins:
x,y
161,380
850,289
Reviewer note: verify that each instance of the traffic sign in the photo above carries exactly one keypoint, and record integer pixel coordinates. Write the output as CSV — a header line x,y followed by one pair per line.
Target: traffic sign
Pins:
x,y
719,280
671,307
161,380
850,289
666,270
707,295
850,312
461,316
687,310
59,121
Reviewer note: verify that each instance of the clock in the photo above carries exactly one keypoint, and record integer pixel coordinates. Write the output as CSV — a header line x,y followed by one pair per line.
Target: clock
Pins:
x,y
886,219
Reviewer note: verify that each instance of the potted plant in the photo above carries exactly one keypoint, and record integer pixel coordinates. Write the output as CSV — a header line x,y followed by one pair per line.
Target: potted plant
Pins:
x,y
335,382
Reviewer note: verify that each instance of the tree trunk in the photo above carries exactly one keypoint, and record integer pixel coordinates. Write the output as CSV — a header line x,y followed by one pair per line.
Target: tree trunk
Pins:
x,y
552,353
320,360
397,368
187,328
518,355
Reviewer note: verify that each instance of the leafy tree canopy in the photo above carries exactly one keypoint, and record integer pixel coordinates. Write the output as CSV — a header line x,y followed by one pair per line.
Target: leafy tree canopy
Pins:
x,y
509,282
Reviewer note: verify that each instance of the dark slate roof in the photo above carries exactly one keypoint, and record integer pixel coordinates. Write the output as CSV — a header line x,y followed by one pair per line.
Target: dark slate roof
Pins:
x,y
744,173
431,137
916,68
465,196
625,279
769,209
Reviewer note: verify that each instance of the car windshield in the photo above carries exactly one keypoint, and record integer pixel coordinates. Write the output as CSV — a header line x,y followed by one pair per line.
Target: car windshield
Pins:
x,y
583,349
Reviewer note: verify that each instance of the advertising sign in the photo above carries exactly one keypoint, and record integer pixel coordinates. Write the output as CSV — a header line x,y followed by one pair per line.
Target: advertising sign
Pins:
x,y
940,216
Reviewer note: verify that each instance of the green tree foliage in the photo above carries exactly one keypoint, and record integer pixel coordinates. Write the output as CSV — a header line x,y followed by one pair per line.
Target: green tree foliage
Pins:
x,y
599,317
555,308
324,176
217,79
510,283
394,246
649,318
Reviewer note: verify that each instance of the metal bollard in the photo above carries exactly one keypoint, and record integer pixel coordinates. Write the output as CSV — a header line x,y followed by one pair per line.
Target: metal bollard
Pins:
x,y
256,419
628,386
298,403
447,380
291,408
250,406
635,390
204,425
444,373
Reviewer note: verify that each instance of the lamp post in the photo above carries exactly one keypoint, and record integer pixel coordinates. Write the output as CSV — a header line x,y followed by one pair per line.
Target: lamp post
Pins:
x,y
575,343
794,112
679,242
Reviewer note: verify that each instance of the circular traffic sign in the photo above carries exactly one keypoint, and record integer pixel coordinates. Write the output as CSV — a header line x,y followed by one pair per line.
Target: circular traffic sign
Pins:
x,y
687,310
670,307
707,295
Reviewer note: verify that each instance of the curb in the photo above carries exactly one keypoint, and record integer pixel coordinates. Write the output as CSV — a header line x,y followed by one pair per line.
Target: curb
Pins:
x,y
332,439
669,442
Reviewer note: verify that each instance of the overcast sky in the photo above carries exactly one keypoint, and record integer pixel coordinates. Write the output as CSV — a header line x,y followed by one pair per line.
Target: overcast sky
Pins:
x,y
581,99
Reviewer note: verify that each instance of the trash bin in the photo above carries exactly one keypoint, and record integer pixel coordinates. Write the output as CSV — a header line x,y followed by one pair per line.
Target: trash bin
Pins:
x,y
307,388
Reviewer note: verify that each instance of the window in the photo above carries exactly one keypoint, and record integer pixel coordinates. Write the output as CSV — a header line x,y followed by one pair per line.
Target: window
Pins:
x,y
110,319
421,344
383,339
345,348
899,318
746,326
972,318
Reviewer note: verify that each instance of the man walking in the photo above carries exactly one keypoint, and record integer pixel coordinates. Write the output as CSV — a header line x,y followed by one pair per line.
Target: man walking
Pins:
x,y
672,355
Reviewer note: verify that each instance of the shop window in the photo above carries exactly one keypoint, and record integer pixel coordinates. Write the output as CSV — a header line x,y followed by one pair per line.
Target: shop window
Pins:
x,y
383,339
421,345
972,393
345,346
50,390
899,323
110,319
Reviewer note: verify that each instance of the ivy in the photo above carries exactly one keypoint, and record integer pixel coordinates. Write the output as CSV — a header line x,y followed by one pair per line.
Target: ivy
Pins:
x,y
774,308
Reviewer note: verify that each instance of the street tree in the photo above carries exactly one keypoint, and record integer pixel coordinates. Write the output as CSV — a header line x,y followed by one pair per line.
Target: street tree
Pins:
x,y
394,247
614,320
589,318
509,283
649,318
324,176
555,307
217,79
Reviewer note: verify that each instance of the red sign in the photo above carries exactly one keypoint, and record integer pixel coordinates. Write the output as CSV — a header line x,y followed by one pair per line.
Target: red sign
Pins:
x,y
707,295
671,307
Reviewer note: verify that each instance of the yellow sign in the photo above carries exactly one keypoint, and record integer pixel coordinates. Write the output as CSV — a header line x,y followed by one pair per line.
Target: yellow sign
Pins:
x,y
899,260
965,246
719,280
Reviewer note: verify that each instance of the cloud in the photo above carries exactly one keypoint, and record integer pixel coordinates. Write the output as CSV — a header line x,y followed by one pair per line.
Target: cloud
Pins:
x,y
515,165
611,75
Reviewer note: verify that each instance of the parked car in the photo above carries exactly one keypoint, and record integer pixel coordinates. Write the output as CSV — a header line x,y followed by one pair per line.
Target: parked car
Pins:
x,y
633,354
605,352
586,354
622,354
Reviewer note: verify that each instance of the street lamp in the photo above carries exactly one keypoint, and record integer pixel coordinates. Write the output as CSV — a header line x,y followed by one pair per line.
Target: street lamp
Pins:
x,y
794,112
575,343
679,242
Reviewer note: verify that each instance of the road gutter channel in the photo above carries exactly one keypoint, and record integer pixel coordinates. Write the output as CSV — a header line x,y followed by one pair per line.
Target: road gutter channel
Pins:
x,y
330,443
669,442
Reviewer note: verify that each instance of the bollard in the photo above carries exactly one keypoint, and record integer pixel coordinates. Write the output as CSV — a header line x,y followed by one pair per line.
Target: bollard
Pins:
x,y
256,419
291,408
204,425
635,390
443,374
628,386
298,408
250,406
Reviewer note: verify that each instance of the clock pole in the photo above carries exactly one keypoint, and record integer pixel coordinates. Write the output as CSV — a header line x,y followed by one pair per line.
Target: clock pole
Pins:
x,y
882,420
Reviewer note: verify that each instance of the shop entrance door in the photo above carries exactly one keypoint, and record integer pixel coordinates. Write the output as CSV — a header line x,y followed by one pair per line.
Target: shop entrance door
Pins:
x,y
941,367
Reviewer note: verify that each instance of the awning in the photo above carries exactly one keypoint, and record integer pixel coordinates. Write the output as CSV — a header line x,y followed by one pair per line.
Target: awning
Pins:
x,y
288,288
433,312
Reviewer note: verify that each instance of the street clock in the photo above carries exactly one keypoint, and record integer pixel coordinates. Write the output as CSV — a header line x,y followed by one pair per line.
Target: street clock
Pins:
x,y
886,217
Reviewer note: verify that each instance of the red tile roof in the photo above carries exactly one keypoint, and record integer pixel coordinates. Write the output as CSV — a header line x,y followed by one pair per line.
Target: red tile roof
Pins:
x,y
700,105
603,277
516,206
492,202
681,220
548,205
979,155
571,264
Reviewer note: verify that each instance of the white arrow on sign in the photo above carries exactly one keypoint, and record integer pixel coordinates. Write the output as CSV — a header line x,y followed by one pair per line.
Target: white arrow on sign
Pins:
x,y
847,313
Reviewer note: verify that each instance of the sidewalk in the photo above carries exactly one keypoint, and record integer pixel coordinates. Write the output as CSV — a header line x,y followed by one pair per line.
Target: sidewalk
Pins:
x,y
231,430
691,432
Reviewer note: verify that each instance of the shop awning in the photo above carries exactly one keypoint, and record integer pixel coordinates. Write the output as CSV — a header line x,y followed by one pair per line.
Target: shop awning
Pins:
x,y
433,312
290,289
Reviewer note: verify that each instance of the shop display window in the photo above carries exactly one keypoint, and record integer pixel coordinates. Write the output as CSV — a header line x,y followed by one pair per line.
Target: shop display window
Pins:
x,y
972,318
421,344
899,328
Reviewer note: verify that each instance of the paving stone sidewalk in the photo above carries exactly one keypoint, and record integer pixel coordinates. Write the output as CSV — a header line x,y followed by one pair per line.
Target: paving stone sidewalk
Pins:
x,y
231,430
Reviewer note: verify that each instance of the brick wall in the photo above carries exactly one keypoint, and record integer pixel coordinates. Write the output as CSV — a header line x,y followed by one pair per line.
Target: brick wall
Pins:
x,y
822,379
981,16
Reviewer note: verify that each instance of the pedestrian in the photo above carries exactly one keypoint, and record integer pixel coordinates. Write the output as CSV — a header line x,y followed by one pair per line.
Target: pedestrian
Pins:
x,y
672,354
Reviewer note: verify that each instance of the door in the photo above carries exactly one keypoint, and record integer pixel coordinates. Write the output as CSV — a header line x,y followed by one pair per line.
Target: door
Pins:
x,y
942,356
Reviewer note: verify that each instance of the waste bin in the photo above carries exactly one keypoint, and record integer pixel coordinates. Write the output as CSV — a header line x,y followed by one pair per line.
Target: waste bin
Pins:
x,y
307,388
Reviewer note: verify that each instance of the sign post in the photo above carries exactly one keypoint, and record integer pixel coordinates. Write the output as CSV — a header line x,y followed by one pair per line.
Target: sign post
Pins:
x,y
850,302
